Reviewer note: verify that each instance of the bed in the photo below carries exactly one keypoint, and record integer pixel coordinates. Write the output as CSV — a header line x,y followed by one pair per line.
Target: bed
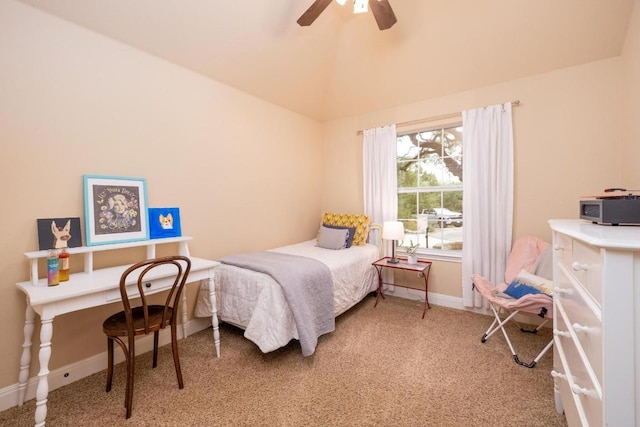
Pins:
x,y
257,303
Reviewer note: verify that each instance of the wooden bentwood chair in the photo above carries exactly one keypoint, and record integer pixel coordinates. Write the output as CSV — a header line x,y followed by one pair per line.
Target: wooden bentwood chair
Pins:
x,y
145,318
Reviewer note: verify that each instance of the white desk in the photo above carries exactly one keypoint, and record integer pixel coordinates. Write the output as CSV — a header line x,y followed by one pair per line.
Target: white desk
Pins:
x,y
91,288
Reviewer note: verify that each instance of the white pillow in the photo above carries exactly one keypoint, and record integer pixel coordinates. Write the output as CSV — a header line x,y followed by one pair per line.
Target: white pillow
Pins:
x,y
333,238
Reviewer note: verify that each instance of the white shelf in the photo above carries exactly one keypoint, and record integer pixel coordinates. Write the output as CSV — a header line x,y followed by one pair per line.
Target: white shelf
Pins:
x,y
88,252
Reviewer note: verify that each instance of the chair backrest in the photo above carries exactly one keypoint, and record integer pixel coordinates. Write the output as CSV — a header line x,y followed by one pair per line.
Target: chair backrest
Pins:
x,y
524,255
174,268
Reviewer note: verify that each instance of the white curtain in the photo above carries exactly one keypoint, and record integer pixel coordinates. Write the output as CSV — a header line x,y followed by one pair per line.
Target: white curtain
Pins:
x,y
488,196
380,176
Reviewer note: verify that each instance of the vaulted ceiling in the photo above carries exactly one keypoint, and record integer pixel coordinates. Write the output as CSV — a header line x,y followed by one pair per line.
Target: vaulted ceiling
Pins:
x,y
342,64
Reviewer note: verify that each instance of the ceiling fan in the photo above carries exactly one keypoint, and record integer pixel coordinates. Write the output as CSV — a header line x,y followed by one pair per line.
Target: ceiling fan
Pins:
x,y
385,18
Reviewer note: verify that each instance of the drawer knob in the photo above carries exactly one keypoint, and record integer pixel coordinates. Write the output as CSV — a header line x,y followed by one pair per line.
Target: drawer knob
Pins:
x,y
577,266
581,328
147,285
580,390
567,291
561,333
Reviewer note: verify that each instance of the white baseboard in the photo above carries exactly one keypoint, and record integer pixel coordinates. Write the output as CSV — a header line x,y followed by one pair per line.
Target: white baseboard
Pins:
x,y
89,366
417,294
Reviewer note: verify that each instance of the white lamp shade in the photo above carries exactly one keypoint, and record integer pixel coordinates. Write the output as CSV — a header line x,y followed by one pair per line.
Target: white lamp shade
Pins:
x,y
393,230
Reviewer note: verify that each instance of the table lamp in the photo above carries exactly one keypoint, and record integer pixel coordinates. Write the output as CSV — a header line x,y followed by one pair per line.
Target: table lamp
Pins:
x,y
393,230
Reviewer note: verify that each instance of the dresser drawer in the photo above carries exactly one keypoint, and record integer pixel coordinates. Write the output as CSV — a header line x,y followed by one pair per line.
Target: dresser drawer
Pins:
x,y
151,287
564,249
584,391
587,266
571,406
585,263
584,318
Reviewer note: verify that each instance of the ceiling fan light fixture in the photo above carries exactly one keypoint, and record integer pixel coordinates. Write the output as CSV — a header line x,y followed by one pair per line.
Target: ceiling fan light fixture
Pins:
x,y
381,9
360,6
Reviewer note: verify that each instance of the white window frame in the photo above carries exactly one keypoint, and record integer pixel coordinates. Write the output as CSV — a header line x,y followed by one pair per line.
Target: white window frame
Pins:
x,y
432,254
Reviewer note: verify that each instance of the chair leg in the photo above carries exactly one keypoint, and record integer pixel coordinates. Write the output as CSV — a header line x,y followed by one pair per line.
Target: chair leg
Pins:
x,y
131,361
536,330
500,326
176,357
547,347
499,323
155,348
109,363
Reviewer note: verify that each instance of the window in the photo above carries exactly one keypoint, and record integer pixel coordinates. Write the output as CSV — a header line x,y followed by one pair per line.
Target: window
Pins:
x,y
430,189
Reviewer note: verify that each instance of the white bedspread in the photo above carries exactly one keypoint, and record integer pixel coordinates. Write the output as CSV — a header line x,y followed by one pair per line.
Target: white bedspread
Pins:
x,y
255,302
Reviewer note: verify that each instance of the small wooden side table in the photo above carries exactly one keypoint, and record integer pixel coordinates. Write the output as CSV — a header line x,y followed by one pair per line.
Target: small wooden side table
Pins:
x,y
422,267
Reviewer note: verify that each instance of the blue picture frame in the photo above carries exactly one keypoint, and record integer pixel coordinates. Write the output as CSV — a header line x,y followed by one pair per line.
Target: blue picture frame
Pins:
x,y
115,209
164,222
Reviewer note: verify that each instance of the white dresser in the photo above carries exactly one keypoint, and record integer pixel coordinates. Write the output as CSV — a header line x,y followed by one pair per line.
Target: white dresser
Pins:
x,y
596,360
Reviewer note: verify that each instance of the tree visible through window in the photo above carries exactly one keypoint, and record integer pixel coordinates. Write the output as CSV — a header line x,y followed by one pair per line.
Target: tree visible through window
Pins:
x,y
430,188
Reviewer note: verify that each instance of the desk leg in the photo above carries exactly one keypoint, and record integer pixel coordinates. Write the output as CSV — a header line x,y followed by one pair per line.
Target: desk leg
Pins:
x,y
185,317
426,291
46,332
25,359
214,315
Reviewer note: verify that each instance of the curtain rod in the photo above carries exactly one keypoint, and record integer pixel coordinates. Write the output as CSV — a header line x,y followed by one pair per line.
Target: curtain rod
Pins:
x,y
433,118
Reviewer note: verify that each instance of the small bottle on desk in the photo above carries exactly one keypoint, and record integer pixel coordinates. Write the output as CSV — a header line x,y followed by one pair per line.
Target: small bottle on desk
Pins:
x,y
63,261
53,271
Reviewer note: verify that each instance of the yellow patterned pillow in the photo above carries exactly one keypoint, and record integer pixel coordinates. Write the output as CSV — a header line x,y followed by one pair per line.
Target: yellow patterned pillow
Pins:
x,y
360,222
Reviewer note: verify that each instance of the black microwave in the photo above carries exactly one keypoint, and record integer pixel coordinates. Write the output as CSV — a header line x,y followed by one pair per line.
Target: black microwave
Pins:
x,y
613,211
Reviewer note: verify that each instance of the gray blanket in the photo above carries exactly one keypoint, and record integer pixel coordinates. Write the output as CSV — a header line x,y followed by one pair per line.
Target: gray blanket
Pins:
x,y
307,286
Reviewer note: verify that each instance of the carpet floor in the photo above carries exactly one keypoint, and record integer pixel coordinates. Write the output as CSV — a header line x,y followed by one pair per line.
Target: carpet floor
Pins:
x,y
382,366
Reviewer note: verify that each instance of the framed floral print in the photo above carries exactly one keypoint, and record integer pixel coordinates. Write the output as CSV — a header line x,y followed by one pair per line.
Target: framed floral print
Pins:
x,y
115,209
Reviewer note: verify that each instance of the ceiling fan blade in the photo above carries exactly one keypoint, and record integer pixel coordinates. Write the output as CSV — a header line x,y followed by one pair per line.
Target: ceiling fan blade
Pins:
x,y
313,12
385,18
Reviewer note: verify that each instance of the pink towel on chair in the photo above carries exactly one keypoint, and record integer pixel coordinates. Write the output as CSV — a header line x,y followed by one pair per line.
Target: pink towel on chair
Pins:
x,y
524,255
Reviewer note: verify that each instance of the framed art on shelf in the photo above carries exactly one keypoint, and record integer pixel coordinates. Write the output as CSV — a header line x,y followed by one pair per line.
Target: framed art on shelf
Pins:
x,y
115,209
56,233
164,222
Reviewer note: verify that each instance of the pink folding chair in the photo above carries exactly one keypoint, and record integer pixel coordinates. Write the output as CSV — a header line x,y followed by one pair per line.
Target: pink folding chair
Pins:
x,y
533,255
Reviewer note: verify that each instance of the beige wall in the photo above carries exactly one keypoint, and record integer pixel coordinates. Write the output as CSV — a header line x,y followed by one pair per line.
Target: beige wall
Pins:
x,y
248,175
631,102
567,145
245,173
